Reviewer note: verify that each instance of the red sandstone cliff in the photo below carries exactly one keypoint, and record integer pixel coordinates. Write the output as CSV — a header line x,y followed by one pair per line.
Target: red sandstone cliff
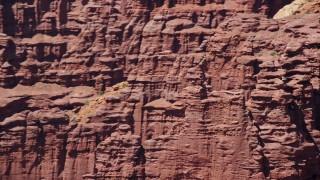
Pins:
x,y
162,89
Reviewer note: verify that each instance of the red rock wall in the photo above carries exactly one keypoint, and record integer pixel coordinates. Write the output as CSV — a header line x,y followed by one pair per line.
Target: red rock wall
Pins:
x,y
91,39
215,90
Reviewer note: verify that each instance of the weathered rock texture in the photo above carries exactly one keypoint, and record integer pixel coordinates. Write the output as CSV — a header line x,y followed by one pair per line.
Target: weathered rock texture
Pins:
x,y
299,7
162,89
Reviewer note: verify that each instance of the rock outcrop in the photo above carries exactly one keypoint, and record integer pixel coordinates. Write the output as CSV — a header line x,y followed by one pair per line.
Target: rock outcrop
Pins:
x,y
298,7
161,89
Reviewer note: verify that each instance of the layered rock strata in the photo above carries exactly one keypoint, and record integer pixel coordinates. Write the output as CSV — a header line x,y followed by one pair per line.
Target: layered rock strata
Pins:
x,y
209,90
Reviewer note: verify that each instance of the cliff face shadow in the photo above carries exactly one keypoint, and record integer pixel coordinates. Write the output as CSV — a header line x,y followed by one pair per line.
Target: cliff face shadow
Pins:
x,y
297,118
316,109
276,5
9,22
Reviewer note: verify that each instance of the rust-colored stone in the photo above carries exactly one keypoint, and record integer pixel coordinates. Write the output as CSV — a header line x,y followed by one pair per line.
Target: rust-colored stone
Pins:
x,y
161,89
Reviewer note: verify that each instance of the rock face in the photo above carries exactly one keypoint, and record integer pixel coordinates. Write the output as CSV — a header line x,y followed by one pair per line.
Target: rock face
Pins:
x,y
161,89
298,7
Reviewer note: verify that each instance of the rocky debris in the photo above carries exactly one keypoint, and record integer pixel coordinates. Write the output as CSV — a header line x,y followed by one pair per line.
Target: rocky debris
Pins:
x,y
212,91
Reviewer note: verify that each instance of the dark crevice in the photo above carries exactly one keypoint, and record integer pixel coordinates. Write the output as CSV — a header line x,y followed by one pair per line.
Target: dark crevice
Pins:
x,y
202,3
159,3
316,109
171,4
8,169
23,146
176,45
260,141
249,113
13,108
276,5
63,8
194,17
10,54
130,118
265,166
201,39
256,6
313,46
141,156
314,177
62,156
39,148
288,89
297,118
84,2
73,154
296,53
293,72
9,22
256,68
